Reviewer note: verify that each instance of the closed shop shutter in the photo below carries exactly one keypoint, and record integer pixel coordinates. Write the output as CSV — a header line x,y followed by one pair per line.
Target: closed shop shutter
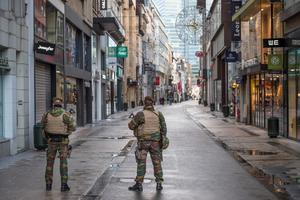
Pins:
x,y
42,90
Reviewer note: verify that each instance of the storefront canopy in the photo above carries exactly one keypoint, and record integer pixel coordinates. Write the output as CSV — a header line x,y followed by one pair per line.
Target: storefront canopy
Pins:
x,y
110,25
249,9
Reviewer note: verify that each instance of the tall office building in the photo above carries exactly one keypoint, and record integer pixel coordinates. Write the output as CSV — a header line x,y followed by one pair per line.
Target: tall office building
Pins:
x,y
169,10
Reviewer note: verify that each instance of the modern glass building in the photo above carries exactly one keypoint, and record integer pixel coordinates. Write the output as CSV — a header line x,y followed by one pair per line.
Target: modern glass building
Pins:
x,y
169,9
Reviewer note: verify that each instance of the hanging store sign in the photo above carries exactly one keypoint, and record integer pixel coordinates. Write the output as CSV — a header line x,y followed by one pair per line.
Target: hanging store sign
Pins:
x,y
199,54
112,52
103,4
45,48
274,42
275,62
119,72
231,56
122,52
293,42
157,80
236,25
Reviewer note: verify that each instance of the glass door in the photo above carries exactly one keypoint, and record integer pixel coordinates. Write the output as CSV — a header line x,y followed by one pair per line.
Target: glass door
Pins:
x,y
292,126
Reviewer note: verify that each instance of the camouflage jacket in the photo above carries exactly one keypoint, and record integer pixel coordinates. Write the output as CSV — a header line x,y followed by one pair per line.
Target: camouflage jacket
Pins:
x,y
139,119
67,118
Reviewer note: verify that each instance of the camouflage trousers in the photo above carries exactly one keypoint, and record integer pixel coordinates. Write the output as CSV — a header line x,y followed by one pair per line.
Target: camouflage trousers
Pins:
x,y
141,152
62,148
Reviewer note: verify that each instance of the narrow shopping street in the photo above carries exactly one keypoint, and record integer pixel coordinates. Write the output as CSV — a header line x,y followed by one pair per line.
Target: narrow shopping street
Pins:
x,y
102,164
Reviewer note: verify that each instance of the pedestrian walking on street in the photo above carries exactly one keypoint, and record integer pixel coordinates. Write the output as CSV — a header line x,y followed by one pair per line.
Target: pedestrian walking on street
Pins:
x,y
150,128
58,125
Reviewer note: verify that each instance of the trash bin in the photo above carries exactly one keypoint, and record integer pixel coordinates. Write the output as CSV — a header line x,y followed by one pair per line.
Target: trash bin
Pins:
x,y
226,111
199,101
40,142
212,106
273,127
132,104
205,103
125,106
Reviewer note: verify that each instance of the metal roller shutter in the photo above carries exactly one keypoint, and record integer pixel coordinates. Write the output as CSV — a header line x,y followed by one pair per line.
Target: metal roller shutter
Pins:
x,y
42,90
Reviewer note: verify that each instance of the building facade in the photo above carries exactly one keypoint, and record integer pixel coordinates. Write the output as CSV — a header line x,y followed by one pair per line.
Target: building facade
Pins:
x,y
291,110
14,75
261,85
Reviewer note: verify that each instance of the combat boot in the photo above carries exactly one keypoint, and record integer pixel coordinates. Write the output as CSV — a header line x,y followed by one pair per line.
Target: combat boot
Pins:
x,y
159,187
48,187
136,187
64,187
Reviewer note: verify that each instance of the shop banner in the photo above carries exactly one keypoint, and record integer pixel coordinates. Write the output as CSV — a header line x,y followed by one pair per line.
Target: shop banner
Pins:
x,y
122,52
231,56
236,25
103,4
112,52
275,62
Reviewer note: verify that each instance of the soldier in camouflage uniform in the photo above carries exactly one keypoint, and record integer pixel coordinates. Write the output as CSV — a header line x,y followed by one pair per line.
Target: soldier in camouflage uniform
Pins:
x,y
58,125
149,127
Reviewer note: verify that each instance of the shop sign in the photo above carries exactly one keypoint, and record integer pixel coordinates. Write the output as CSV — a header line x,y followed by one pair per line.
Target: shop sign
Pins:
x,y
293,42
119,72
157,80
103,4
231,56
122,52
199,54
238,80
275,62
236,25
274,42
112,52
148,67
4,63
45,48
87,84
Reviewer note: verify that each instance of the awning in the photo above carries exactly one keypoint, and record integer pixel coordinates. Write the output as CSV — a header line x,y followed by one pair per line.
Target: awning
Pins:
x,y
249,9
254,69
110,25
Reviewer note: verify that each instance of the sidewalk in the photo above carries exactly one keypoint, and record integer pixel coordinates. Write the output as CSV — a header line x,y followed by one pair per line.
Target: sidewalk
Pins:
x,y
275,162
95,148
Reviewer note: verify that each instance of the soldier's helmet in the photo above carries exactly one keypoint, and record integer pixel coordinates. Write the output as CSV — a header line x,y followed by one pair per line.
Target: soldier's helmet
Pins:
x,y
57,102
148,100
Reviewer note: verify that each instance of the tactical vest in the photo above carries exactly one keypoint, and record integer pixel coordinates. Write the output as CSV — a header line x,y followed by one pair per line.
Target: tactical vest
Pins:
x,y
56,125
151,124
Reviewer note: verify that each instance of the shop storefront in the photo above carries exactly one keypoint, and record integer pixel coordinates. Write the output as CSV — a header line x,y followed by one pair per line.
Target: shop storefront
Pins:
x,y
262,85
48,71
77,69
266,99
294,93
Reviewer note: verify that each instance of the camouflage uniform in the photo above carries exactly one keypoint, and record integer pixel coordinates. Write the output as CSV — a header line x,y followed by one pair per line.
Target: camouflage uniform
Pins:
x,y
148,143
58,142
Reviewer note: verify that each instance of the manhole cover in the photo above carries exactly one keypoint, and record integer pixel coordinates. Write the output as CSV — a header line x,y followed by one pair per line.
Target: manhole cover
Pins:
x,y
131,180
